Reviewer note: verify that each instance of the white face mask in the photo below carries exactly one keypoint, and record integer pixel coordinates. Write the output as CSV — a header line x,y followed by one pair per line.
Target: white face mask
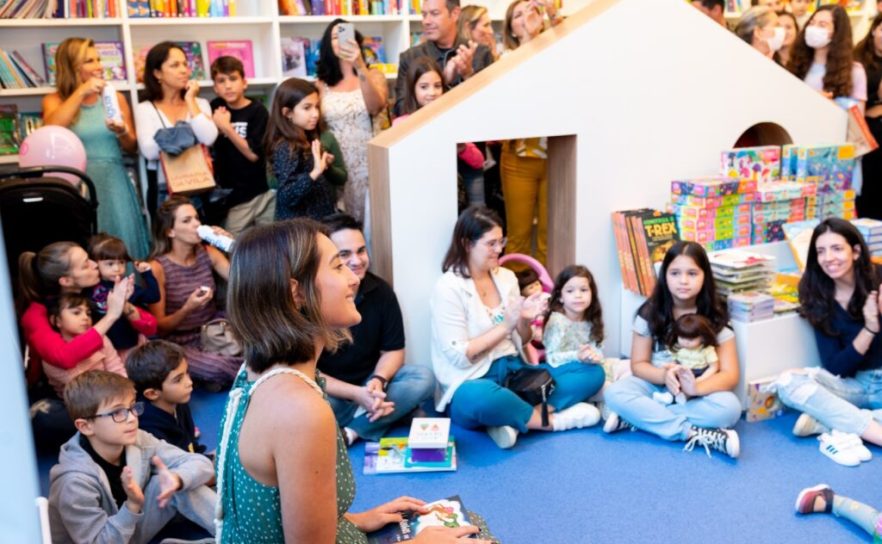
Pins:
x,y
777,39
817,37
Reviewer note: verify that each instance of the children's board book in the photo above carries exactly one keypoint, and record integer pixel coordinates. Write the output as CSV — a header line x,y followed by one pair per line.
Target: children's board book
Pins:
x,y
391,455
448,512
429,433
241,49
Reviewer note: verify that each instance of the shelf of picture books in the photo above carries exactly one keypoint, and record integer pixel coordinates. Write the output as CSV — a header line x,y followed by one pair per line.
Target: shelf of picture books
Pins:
x,y
760,195
52,9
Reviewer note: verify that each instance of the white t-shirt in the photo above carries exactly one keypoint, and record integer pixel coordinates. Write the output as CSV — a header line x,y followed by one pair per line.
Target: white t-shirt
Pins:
x,y
661,355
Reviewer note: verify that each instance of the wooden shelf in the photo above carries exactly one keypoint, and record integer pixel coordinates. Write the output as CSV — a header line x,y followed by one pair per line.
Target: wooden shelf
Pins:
x,y
9,159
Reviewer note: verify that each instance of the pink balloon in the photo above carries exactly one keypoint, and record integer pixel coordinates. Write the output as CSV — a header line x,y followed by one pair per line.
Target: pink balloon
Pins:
x,y
53,146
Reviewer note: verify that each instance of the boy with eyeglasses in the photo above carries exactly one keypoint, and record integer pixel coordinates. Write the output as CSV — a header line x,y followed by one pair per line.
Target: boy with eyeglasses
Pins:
x,y
114,483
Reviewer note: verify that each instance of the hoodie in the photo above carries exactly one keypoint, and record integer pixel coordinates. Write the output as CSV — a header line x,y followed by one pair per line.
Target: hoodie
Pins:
x,y
81,505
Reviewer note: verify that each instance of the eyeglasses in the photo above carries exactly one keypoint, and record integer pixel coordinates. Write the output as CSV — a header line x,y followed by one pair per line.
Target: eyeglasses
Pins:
x,y
497,244
120,415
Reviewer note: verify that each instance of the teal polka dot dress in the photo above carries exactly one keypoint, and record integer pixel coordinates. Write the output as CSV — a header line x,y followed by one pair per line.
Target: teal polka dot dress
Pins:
x,y
251,510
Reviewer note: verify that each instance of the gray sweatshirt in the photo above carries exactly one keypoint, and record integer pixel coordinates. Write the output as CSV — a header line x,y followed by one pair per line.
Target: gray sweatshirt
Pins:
x,y
81,506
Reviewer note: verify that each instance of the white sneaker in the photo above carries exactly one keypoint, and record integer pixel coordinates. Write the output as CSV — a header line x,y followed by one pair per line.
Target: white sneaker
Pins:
x,y
840,453
576,416
614,423
853,442
504,436
806,425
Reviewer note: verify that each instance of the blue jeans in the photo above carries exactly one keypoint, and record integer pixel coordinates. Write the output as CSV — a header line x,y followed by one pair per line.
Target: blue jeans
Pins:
x,y
844,404
410,386
631,399
484,402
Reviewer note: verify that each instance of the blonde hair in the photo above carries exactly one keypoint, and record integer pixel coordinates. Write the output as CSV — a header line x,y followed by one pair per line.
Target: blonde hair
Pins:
x,y
755,17
69,59
468,20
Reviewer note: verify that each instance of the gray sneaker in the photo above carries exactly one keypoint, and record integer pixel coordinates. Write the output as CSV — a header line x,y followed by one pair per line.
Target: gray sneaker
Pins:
x,y
724,440
614,423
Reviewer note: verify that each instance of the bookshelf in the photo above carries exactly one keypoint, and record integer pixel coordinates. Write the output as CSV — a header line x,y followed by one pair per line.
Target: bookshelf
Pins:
x,y
255,20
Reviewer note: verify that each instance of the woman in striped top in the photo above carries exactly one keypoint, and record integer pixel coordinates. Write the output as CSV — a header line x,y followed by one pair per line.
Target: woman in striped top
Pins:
x,y
184,268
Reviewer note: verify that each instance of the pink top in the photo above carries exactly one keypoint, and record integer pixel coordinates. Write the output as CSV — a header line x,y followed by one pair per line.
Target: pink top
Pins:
x,y
470,154
105,358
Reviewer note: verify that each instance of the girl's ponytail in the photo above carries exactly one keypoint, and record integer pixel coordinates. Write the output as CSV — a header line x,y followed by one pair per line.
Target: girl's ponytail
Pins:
x,y
28,283
38,273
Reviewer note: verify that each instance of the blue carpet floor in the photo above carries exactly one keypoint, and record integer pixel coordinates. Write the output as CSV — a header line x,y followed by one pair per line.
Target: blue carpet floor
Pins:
x,y
587,487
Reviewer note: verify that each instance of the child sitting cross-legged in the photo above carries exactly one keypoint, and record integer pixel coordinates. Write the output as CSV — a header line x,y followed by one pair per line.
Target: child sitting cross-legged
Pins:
x,y
159,372
695,351
114,483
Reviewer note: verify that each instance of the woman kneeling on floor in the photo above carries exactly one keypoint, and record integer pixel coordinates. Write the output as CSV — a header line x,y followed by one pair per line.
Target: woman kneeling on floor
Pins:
x,y
480,324
685,286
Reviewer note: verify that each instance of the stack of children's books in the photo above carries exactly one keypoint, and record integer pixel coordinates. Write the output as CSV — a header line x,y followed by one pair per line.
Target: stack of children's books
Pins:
x,y
871,230
737,271
428,448
751,306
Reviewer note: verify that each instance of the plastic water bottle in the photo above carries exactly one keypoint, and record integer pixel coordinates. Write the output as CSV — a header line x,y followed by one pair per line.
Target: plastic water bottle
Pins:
x,y
111,104
220,241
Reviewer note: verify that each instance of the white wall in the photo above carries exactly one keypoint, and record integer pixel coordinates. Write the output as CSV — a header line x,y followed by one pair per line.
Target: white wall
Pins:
x,y
18,470
653,90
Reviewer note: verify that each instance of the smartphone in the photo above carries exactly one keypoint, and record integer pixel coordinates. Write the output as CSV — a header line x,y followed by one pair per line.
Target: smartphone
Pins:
x,y
345,32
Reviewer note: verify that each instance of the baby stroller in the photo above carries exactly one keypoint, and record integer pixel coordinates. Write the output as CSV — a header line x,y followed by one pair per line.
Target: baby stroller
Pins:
x,y
37,209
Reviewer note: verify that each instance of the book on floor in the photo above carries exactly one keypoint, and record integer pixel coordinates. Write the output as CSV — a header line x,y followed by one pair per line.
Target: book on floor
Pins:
x,y
448,512
429,433
392,455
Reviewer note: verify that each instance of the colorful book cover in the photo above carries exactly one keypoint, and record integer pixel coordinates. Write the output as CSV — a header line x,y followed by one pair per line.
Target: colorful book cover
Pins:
x,y
754,163
9,137
113,59
391,455
193,52
241,49
29,121
374,50
49,61
799,236
294,57
448,512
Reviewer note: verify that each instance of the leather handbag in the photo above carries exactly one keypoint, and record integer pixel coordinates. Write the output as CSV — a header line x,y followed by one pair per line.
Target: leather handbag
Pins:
x,y
534,385
217,337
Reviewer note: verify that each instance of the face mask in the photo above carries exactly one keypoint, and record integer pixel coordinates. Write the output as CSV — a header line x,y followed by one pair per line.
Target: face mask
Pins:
x,y
777,39
816,37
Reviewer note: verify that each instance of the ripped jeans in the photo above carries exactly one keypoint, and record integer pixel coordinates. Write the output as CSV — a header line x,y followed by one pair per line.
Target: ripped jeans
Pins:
x,y
844,404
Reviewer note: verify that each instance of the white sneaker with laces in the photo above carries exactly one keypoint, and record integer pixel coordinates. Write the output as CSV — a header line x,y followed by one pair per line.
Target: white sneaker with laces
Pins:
x,y
853,442
839,453
504,436
724,440
576,416
806,425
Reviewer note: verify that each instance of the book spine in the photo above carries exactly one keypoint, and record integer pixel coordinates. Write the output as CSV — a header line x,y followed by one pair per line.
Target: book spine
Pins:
x,y
6,76
624,250
32,74
635,252
25,76
620,249
646,266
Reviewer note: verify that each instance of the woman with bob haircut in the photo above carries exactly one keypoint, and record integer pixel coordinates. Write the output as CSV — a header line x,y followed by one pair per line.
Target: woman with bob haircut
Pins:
x,y
283,467
839,296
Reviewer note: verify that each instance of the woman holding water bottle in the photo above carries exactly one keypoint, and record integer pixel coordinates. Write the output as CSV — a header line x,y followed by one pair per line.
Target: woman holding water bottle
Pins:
x,y
79,104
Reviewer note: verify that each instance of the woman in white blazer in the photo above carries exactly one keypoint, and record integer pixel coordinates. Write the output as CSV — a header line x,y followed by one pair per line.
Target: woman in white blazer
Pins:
x,y
480,324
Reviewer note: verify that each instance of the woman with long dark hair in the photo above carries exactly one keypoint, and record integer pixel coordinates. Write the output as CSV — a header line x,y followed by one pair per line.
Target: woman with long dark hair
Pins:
x,y
822,56
869,53
685,286
351,93
839,297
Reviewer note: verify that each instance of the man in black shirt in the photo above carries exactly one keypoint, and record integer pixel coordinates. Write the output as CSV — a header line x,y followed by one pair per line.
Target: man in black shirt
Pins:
x,y
368,384
458,60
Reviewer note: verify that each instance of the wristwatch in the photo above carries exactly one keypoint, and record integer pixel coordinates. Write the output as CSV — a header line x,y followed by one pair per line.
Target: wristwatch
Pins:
x,y
383,381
